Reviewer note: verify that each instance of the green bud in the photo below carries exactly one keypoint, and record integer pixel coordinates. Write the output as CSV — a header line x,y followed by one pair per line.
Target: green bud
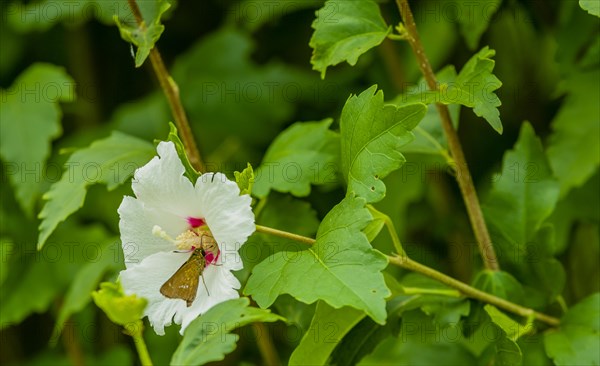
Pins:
x,y
120,308
245,180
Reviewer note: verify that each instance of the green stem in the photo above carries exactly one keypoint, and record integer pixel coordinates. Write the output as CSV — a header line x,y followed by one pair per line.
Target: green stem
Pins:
x,y
463,175
171,91
407,263
561,302
260,206
393,234
472,292
140,344
430,291
265,345
285,234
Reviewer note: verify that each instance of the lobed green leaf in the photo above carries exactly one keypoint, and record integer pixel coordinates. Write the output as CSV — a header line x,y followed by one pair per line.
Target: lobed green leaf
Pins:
x,y
522,197
110,161
342,263
326,331
574,146
575,342
30,118
475,18
144,35
305,153
372,134
344,30
209,337
591,6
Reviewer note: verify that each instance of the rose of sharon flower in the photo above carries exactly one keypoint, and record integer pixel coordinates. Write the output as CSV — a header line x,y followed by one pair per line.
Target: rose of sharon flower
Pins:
x,y
169,219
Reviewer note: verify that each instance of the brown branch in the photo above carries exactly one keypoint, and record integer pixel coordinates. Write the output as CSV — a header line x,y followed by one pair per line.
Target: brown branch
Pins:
x,y
411,265
463,175
470,291
171,91
265,345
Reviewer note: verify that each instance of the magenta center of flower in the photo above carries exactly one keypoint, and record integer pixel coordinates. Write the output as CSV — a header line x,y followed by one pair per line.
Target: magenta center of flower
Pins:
x,y
196,222
211,258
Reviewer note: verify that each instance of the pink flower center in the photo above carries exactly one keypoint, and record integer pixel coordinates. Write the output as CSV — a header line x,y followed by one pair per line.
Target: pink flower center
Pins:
x,y
195,222
211,258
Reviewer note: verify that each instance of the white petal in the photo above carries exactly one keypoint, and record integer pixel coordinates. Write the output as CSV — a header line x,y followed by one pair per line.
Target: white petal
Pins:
x,y
227,214
136,223
145,280
161,183
222,286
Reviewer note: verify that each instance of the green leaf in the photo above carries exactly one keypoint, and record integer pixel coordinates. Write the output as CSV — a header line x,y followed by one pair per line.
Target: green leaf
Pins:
x,y
508,353
344,30
574,146
445,305
110,161
121,309
342,263
300,218
233,100
144,35
7,248
532,347
144,118
422,342
298,316
575,342
42,15
522,197
372,135
40,278
581,204
245,180
591,6
36,279
583,269
326,331
513,329
429,134
209,338
376,224
252,15
30,118
474,88
361,341
476,85
85,281
501,284
474,19
190,172
305,153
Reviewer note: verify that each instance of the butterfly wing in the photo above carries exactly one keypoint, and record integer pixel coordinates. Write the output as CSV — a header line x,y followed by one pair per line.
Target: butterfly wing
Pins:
x,y
184,282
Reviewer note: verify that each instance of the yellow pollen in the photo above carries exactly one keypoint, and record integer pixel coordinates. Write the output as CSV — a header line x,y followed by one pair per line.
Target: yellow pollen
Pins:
x,y
187,240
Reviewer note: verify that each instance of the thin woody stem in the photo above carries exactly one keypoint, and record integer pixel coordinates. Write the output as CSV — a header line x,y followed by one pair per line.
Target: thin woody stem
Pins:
x,y
265,345
463,175
171,91
470,291
411,265
285,234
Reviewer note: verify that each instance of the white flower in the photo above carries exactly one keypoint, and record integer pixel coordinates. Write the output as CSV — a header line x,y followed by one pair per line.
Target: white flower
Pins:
x,y
169,206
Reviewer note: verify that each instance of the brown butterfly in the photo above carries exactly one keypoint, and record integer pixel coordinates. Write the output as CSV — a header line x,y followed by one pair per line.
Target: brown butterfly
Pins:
x,y
210,246
184,282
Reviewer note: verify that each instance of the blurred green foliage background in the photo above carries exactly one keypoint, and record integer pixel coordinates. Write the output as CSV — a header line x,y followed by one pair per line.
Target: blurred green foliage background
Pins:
x,y
243,68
